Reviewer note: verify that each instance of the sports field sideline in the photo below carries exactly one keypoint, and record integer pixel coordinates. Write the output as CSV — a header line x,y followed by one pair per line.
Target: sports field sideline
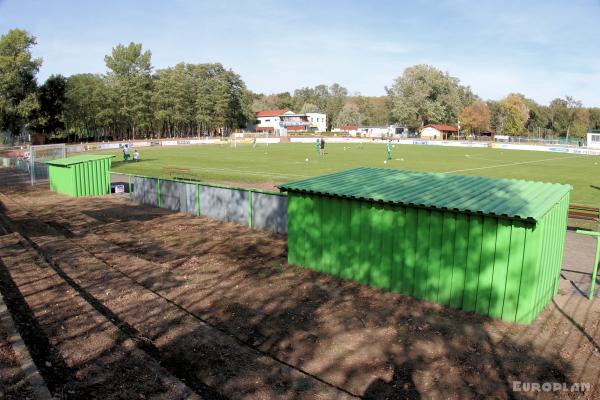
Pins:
x,y
293,161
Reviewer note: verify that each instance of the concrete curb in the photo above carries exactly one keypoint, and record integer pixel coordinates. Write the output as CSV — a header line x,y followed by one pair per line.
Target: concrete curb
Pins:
x,y
26,362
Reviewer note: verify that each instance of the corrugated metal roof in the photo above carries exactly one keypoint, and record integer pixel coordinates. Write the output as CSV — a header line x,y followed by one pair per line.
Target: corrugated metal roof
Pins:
x,y
510,198
78,159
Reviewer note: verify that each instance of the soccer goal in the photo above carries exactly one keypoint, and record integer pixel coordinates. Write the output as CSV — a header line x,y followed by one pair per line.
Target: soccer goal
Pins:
x,y
38,154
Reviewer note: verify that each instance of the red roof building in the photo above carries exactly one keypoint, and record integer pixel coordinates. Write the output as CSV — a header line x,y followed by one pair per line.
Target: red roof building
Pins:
x,y
271,113
437,131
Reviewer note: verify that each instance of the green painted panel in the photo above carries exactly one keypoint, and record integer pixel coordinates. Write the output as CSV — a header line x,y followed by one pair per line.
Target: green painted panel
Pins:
x,y
410,257
328,221
422,254
501,258
399,248
529,275
459,267
486,267
354,246
312,234
432,280
344,239
473,261
513,274
365,245
381,241
447,263
293,229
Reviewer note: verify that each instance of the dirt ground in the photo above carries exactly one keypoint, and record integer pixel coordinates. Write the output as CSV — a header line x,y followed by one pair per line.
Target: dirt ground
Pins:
x,y
129,301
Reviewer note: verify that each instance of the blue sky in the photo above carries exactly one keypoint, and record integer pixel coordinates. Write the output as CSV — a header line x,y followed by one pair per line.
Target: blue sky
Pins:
x,y
544,49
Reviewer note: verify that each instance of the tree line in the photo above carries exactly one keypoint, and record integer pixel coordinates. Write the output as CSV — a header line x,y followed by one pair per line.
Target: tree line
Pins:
x,y
132,100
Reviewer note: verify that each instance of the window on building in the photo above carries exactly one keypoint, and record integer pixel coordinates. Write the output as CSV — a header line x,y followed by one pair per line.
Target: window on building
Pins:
x,y
267,120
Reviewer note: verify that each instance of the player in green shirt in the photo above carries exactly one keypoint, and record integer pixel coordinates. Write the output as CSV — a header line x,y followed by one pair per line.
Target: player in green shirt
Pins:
x,y
389,150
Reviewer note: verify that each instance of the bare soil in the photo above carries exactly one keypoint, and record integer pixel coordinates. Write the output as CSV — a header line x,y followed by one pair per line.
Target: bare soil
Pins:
x,y
213,308
13,382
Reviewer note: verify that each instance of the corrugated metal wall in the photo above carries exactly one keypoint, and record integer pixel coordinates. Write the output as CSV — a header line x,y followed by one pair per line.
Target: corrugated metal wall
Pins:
x,y
90,178
261,210
499,267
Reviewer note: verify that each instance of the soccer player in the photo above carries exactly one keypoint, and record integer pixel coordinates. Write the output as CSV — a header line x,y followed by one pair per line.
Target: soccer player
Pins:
x,y
318,146
389,150
136,156
322,149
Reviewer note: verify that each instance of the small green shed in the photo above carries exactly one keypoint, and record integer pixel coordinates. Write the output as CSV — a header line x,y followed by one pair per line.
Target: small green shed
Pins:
x,y
492,246
83,175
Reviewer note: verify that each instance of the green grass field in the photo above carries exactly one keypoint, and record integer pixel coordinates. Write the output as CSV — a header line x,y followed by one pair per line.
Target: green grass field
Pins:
x,y
285,162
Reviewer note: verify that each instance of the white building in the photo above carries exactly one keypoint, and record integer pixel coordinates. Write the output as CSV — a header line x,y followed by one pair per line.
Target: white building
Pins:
x,y
279,122
268,122
438,131
318,121
593,140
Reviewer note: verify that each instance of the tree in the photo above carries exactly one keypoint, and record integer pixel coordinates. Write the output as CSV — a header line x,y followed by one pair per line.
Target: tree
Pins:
x,y
284,100
594,118
496,116
130,76
515,113
89,108
18,84
577,118
424,95
327,99
309,108
475,117
349,115
52,98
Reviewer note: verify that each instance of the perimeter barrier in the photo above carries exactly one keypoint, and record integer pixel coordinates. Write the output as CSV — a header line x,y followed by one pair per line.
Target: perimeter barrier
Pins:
x,y
254,208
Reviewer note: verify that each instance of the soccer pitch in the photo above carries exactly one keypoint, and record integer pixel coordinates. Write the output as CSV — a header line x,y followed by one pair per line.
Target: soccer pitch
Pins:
x,y
293,161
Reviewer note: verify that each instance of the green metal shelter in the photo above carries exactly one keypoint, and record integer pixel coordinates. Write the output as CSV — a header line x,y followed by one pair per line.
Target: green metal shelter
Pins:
x,y
83,175
492,246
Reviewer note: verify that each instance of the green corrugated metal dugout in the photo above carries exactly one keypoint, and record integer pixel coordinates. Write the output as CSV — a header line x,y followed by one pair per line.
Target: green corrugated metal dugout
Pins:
x,y
492,246
84,175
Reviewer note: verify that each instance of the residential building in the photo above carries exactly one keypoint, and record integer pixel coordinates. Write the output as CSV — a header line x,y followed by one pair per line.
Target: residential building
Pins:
x,y
438,131
279,122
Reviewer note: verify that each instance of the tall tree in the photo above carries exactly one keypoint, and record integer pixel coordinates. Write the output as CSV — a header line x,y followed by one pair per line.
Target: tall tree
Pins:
x,y
89,109
130,76
515,113
594,118
475,117
18,70
349,115
424,95
52,98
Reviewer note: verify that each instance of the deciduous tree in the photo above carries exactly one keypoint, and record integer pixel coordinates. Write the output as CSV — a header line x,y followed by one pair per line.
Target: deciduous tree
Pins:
x,y
475,117
18,70
425,95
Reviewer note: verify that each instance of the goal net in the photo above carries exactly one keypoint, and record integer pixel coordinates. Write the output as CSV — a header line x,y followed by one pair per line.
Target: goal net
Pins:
x,y
38,154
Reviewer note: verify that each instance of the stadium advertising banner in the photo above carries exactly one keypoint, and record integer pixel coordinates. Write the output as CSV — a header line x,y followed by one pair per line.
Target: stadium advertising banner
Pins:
x,y
532,147
169,142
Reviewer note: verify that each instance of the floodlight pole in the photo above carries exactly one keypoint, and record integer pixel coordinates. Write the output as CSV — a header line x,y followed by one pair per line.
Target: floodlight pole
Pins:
x,y
596,260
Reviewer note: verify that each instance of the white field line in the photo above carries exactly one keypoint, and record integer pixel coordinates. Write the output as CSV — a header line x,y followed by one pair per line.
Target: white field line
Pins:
x,y
511,164
248,172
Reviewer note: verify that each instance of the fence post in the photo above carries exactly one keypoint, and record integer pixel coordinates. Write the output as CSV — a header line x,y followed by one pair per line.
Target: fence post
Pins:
x,y
130,194
250,208
197,199
158,193
596,260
